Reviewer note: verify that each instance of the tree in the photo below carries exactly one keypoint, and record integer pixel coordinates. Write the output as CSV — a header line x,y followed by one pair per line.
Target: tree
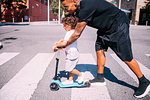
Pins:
x,y
147,7
54,4
12,5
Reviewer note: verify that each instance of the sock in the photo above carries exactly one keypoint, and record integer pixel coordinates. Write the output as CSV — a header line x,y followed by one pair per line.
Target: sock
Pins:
x,y
142,79
100,75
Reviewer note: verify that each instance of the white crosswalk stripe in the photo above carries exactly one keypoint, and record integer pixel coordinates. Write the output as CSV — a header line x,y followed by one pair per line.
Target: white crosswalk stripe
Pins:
x,y
4,57
22,86
144,69
24,83
98,92
147,55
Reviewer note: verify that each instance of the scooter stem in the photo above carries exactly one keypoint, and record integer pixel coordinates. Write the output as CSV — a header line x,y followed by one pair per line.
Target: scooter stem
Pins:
x,y
57,60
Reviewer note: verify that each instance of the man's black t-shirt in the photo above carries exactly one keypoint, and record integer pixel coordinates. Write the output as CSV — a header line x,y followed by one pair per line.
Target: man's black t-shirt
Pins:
x,y
100,14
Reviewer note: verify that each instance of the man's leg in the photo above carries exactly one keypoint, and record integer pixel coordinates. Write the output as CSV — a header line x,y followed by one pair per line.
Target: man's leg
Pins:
x,y
144,84
99,79
124,52
101,59
133,65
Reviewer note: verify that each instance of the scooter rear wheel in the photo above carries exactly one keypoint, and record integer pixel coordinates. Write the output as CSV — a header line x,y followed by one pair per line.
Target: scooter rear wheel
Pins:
x,y
54,87
87,84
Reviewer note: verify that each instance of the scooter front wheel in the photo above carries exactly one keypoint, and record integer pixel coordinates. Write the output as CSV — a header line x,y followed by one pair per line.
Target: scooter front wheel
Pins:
x,y
54,87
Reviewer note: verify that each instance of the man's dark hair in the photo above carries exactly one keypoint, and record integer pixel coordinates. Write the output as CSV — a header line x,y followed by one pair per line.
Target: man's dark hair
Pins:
x,y
67,0
70,20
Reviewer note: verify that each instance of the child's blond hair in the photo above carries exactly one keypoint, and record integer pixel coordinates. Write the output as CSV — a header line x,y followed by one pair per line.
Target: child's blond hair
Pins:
x,y
70,20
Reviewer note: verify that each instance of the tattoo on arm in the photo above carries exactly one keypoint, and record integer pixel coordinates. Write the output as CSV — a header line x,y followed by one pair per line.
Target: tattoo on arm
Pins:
x,y
78,30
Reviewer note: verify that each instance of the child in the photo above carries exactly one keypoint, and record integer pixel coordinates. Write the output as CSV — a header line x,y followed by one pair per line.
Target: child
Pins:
x,y
72,53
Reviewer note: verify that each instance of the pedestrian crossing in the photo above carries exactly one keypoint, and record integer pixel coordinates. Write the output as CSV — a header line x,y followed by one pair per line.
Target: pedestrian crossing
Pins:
x,y
98,92
24,83
143,68
4,57
147,55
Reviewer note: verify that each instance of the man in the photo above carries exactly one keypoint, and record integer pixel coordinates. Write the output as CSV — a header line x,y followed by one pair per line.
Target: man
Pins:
x,y
113,32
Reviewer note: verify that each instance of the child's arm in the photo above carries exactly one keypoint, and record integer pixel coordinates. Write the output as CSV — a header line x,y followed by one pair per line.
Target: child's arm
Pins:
x,y
60,43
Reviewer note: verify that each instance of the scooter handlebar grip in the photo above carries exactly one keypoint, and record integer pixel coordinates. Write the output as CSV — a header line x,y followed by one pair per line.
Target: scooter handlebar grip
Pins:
x,y
55,50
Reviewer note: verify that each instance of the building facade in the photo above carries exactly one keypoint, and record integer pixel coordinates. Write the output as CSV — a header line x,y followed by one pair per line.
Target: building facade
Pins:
x,y
136,8
36,11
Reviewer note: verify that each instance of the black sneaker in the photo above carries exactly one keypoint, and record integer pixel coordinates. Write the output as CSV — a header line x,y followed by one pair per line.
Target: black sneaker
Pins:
x,y
98,81
143,89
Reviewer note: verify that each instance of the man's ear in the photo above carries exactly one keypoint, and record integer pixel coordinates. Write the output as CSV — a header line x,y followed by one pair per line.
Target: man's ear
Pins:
x,y
75,1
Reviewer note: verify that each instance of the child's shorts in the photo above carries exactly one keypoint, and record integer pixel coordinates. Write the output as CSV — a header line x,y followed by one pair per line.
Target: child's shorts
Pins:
x,y
72,58
121,44
71,64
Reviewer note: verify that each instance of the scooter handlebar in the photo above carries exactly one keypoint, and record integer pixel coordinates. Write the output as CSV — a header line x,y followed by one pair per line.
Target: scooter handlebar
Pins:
x,y
56,49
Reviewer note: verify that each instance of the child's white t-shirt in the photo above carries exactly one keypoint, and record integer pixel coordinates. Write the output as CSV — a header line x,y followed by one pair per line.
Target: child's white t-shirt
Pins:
x,y
72,50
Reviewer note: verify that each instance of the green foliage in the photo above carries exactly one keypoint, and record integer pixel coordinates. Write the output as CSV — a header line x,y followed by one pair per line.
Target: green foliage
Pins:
x,y
7,4
147,5
54,5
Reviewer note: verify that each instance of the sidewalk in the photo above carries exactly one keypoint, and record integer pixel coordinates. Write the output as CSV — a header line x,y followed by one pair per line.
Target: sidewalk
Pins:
x,y
31,23
1,24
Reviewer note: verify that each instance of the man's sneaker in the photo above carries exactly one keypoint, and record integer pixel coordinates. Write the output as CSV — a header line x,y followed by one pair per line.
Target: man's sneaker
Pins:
x,y
67,82
98,81
143,89
81,78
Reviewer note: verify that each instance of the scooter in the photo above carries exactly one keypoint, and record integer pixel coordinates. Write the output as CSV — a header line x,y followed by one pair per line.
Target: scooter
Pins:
x,y
56,83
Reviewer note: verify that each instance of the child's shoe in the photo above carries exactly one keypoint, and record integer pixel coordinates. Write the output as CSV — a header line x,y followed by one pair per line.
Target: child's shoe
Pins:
x,y
81,78
67,82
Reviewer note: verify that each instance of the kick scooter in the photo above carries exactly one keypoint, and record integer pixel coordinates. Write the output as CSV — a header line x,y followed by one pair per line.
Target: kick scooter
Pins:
x,y
55,83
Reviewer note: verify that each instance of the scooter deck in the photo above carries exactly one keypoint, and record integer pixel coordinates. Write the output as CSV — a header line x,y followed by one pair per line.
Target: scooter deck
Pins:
x,y
75,84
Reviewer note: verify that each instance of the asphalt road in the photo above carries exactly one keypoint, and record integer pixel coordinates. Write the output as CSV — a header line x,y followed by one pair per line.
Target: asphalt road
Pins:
x,y
27,64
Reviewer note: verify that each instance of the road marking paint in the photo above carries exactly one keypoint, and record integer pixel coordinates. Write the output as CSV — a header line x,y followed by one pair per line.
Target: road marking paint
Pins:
x,y
147,55
4,57
24,83
87,64
144,69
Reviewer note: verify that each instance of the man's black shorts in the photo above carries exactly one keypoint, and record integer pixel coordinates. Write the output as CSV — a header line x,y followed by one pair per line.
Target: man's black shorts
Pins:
x,y
120,43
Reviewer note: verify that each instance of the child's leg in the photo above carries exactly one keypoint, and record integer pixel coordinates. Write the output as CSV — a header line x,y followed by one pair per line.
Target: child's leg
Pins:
x,y
80,75
75,71
71,76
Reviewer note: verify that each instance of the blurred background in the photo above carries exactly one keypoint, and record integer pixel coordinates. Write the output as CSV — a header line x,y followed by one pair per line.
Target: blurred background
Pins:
x,y
13,11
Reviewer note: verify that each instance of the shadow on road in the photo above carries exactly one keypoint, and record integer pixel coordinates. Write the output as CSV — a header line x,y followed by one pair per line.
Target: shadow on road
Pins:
x,y
14,24
93,70
10,38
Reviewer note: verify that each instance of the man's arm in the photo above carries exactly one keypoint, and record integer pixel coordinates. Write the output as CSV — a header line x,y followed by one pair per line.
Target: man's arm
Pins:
x,y
78,30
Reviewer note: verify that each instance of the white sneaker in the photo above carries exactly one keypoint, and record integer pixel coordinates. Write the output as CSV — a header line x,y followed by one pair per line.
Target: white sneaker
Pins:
x,y
81,78
67,82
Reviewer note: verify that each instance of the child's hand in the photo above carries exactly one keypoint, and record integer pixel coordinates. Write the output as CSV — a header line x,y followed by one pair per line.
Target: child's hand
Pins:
x,y
54,48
